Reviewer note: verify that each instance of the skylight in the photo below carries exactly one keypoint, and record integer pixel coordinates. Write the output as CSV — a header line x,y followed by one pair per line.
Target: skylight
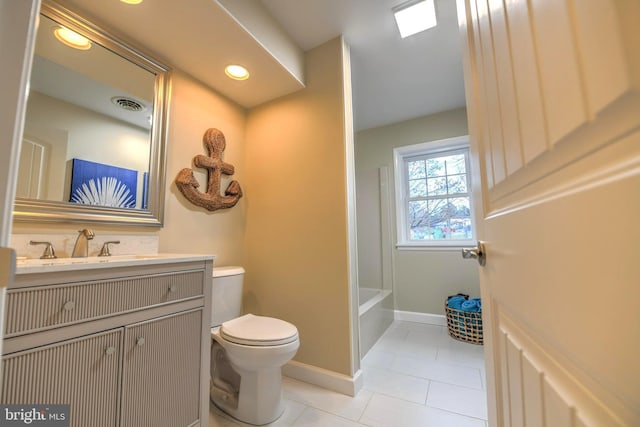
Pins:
x,y
413,17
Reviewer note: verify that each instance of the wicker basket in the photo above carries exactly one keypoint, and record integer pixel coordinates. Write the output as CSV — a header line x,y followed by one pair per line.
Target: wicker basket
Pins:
x,y
464,325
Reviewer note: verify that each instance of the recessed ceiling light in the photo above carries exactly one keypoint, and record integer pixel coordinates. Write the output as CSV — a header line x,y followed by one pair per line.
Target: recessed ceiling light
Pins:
x,y
415,16
131,1
236,72
71,38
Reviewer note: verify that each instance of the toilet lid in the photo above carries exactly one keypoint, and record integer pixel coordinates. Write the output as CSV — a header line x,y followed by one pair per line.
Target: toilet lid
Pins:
x,y
258,331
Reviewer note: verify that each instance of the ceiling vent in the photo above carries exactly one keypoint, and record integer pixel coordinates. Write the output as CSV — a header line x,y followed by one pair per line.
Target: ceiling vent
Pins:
x,y
128,104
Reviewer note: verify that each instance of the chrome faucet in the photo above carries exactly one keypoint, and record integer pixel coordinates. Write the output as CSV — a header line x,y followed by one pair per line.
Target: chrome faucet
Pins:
x,y
81,248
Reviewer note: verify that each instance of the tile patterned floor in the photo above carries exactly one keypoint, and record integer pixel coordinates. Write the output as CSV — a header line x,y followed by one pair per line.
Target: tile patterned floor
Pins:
x,y
414,376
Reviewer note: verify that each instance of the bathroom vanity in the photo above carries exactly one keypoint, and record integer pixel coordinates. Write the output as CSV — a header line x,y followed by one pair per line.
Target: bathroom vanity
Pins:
x,y
124,341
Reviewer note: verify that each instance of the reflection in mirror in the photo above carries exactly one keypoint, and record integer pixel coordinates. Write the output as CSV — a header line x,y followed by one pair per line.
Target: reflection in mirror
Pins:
x,y
93,147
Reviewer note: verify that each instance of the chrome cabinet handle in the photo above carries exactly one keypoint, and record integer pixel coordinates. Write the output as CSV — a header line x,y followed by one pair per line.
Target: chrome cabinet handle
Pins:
x,y
478,253
110,350
140,341
173,288
69,305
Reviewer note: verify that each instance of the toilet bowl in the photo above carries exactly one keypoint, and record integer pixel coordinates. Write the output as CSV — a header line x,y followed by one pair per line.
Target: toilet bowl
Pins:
x,y
247,355
254,394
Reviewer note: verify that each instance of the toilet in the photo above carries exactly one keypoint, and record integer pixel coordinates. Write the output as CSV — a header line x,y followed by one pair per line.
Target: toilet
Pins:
x,y
247,353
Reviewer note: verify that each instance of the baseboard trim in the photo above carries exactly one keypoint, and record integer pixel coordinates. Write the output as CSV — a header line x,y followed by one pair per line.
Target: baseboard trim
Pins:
x,y
411,316
324,378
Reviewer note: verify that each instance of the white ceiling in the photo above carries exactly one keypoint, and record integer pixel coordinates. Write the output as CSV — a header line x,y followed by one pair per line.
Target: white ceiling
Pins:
x,y
198,37
394,79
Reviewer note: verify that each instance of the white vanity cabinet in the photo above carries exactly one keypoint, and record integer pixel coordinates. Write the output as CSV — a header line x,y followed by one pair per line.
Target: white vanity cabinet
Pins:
x,y
124,343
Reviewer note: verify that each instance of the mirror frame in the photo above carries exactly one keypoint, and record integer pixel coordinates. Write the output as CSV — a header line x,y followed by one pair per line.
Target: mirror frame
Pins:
x,y
46,211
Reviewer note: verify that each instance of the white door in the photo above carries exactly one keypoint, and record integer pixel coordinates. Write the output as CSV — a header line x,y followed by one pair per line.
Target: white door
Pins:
x,y
31,170
17,38
553,94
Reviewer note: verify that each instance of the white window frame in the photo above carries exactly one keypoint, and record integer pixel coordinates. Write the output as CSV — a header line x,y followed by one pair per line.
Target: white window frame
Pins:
x,y
400,154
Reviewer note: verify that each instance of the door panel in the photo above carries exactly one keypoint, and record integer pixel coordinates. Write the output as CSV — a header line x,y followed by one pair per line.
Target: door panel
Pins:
x,y
577,112
491,97
532,388
161,379
527,82
560,283
557,61
83,373
506,88
606,73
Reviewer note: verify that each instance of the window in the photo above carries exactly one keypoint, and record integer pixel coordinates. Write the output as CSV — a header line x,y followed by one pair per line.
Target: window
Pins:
x,y
434,204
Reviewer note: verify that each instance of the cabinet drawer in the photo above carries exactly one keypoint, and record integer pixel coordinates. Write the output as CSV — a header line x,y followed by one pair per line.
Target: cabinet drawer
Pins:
x,y
45,307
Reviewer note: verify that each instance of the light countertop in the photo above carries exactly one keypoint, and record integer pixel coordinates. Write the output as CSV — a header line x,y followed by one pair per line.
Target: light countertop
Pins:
x,y
29,266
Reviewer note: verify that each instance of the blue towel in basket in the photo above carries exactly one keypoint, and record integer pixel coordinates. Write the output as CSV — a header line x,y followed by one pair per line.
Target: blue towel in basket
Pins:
x,y
473,305
456,301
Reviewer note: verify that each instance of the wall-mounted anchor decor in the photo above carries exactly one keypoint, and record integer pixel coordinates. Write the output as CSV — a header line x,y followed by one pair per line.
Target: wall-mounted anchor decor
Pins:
x,y
212,200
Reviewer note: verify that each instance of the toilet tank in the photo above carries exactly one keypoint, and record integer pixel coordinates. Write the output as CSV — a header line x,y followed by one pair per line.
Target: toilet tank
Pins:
x,y
226,294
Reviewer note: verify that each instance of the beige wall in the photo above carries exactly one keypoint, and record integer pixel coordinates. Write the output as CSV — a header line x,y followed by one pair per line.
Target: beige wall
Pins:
x,y
188,228
296,235
421,279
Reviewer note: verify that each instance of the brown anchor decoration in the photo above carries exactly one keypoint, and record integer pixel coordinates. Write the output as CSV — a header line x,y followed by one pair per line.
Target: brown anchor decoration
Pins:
x,y
212,200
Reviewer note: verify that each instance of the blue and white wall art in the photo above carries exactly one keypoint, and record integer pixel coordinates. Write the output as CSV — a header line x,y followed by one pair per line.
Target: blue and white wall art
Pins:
x,y
102,185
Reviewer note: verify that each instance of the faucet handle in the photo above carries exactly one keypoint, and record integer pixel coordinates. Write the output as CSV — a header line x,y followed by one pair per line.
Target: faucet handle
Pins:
x,y
48,253
105,247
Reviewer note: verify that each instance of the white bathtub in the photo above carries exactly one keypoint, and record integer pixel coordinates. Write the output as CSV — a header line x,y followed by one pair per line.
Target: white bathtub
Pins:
x,y
376,314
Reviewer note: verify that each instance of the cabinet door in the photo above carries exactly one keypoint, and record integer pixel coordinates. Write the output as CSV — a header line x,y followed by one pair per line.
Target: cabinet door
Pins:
x,y
83,373
161,372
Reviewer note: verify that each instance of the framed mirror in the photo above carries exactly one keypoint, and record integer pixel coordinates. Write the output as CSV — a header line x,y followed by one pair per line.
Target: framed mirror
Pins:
x,y
95,128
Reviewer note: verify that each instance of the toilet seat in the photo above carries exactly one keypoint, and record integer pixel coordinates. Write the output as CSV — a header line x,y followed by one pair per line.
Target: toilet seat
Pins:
x,y
254,330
